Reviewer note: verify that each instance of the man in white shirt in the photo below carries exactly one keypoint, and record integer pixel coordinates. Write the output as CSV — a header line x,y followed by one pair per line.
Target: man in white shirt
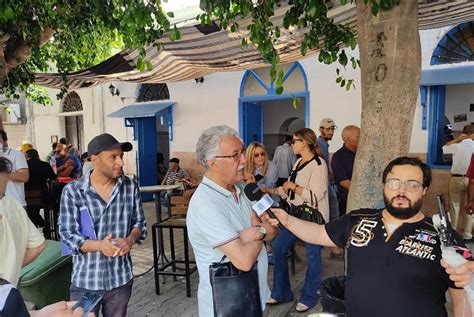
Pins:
x,y
461,148
284,159
19,174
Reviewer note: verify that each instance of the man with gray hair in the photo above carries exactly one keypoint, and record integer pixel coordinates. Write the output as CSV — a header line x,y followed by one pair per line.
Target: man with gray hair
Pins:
x,y
220,218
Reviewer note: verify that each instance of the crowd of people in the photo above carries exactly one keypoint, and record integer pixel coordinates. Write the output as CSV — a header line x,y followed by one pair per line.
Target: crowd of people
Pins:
x,y
101,218
393,254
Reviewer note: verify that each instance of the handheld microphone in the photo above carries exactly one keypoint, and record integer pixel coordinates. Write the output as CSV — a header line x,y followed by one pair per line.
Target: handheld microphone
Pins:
x,y
264,202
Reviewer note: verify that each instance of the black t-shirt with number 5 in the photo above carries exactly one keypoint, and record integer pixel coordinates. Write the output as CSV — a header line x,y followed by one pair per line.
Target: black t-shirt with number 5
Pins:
x,y
391,275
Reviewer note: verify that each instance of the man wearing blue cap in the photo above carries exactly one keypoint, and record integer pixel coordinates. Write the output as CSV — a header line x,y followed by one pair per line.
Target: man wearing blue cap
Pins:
x,y
110,202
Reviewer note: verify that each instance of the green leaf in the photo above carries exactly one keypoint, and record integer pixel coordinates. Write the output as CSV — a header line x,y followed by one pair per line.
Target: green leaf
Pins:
x,y
279,81
375,8
338,80
175,34
279,90
170,14
243,43
343,2
149,66
273,73
141,64
348,85
354,63
8,13
277,31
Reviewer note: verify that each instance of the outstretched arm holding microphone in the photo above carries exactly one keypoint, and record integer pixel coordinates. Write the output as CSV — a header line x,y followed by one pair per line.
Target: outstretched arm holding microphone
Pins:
x,y
307,231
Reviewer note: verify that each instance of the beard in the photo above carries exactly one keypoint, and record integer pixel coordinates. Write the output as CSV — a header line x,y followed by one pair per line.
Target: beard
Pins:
x,y
402,212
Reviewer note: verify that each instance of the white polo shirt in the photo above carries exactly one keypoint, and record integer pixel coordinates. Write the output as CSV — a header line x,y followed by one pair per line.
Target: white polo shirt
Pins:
x,y
215,218
17,233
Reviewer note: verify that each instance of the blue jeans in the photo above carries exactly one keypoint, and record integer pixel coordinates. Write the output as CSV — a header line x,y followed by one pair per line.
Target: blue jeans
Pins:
x,y
281,280
333,204
114,302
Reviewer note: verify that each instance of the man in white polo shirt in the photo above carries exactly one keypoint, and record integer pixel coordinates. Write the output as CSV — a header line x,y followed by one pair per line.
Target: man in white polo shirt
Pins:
x,y
220,218
461,148
19,174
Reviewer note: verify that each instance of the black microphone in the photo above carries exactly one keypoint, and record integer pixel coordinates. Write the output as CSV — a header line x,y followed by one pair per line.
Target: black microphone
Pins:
x,y
264,202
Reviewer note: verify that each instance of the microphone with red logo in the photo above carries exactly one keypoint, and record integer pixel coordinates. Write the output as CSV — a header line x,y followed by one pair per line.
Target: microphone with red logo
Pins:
x,y
263,202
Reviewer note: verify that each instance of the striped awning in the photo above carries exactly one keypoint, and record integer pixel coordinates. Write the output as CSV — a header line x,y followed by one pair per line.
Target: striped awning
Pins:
x,y
202,51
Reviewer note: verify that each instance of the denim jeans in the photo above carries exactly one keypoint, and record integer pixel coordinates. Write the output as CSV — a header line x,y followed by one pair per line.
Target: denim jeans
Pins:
x,y
114,302
281,281
333,204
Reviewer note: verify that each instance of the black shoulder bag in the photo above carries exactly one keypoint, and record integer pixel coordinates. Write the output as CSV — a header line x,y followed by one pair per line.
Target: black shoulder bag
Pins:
x,y
234,292
306,212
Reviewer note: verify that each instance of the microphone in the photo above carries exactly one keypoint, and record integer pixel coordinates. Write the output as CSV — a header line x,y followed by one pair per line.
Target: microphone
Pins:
x,y
264,202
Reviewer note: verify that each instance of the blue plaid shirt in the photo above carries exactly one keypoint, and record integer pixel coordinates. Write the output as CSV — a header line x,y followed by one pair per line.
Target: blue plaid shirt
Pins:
x,y
123,212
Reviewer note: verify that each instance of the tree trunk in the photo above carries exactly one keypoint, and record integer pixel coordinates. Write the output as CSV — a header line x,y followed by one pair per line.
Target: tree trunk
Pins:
x,y
390,56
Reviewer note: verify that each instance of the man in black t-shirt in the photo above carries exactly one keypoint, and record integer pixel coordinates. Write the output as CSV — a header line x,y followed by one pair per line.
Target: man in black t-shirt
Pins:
x,y
393,254
40,173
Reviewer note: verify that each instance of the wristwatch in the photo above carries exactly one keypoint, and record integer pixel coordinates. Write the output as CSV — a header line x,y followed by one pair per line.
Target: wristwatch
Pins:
x,y
263,232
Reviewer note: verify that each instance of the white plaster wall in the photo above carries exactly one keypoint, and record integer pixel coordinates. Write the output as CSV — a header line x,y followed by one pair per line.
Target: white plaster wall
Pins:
x,y
200,106
458,99
46,123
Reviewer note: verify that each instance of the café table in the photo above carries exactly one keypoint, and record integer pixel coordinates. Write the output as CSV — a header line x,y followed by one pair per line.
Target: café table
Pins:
x,y
157,189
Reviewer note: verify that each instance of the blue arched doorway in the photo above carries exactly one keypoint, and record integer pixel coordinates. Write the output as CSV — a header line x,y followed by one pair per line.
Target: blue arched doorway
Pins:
x,y
263,113
443,90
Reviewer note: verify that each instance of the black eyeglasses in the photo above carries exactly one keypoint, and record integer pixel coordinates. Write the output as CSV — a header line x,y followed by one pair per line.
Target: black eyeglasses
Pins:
x,y
411,186
296,140
236,156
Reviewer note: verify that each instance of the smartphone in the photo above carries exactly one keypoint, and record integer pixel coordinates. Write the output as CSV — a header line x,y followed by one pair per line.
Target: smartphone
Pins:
x,y
88,302
258,177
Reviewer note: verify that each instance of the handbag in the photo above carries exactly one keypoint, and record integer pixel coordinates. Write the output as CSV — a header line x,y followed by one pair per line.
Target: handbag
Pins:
x,y
307,213
234,292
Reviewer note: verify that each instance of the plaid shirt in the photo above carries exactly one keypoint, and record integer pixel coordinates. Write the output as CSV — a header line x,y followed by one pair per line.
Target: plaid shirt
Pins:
x,y
123,212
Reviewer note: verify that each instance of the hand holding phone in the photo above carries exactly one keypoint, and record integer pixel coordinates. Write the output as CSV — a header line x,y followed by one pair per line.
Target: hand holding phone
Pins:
x,y
87,302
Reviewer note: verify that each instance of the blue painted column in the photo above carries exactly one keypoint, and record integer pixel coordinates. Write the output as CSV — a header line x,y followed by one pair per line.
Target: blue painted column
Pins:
x,y
437,97
145,134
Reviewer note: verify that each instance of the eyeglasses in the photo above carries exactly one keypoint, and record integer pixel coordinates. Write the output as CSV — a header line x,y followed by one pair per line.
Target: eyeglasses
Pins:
x,y
236,156
411,186
296,140
262,154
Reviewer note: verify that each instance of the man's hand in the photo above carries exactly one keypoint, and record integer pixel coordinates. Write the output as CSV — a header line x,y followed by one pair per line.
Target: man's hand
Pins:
x,y
249,235
288,185
461,275
60,309
107,248
125,245
469,208
281,215
249,178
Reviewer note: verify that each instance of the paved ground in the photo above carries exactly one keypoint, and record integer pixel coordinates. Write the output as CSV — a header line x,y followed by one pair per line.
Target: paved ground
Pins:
x,y
173,300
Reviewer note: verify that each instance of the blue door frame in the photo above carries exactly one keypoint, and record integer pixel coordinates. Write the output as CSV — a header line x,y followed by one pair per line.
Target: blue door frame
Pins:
x,y
144,132
271,95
